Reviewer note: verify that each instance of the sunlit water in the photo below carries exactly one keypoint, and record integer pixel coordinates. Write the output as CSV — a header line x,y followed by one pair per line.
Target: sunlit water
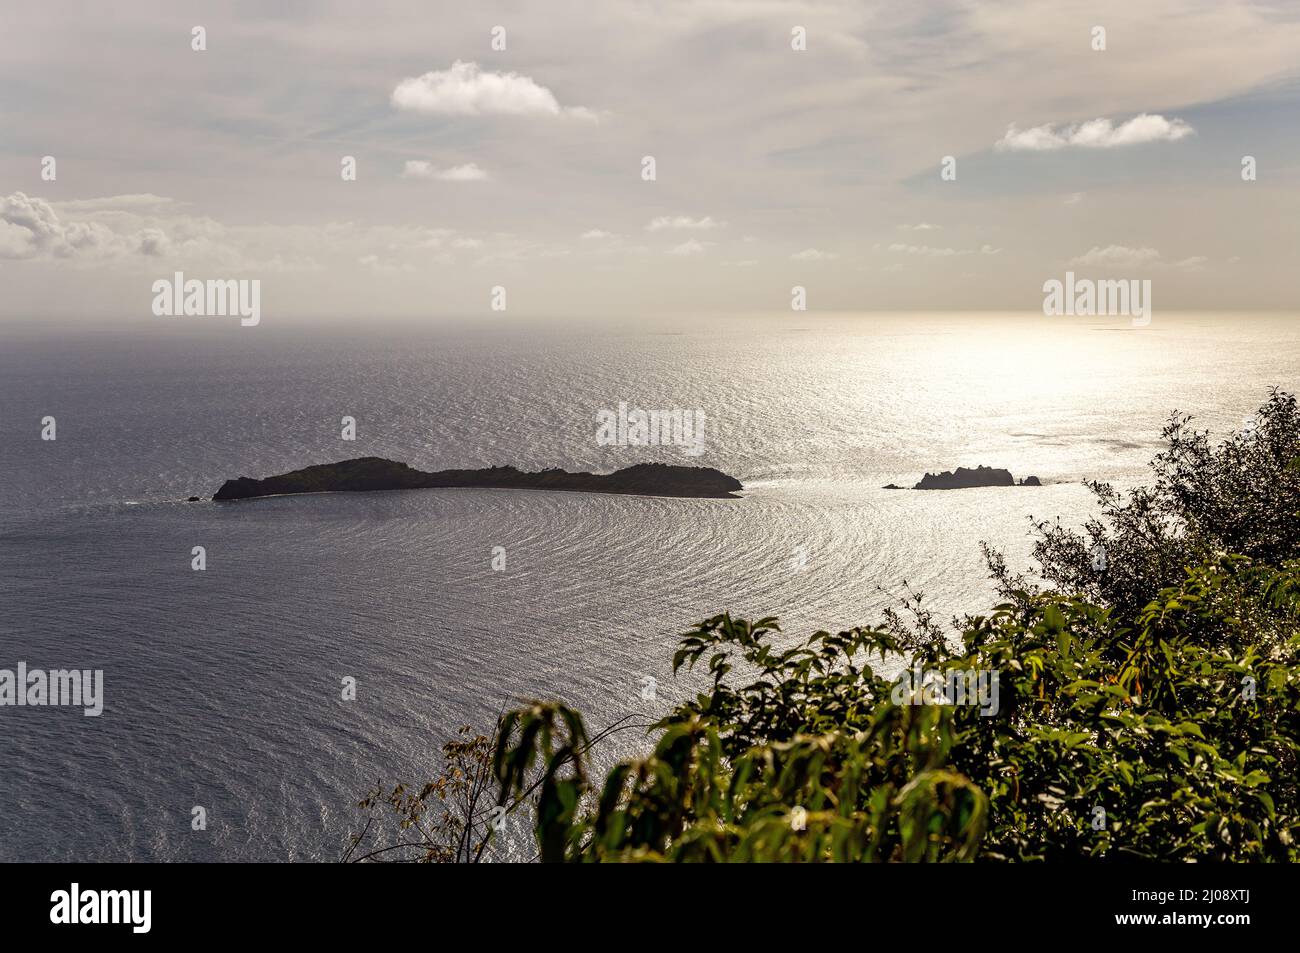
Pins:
x,y
223,686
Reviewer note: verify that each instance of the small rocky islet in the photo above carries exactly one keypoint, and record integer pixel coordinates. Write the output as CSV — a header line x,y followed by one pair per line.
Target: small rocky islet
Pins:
x,y
966,478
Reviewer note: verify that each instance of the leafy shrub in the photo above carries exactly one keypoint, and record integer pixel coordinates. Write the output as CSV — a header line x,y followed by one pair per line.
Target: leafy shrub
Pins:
x,y
1108,741
1147,709
1240,496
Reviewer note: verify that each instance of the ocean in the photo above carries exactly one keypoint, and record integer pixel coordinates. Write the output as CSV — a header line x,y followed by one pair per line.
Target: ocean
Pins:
x,y
222,687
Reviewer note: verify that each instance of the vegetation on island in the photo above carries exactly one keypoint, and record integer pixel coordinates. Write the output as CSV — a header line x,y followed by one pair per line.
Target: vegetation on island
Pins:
x,y
370,474
1148,708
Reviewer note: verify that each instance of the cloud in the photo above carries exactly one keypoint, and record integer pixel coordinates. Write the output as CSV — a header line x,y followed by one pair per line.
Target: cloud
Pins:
x,y
1121,256
812,254
1116,256
597,234
138,201
120,228
155,243
466,90
149,233
419,169
690,247
30,228
932,252
921,227
1095,134
384,266
682,221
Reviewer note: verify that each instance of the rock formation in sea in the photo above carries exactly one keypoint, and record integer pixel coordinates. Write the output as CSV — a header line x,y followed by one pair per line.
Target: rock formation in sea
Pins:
x,y
376,473
964,478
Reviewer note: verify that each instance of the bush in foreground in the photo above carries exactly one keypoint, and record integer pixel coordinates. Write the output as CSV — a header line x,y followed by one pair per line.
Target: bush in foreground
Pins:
x,y
1139,712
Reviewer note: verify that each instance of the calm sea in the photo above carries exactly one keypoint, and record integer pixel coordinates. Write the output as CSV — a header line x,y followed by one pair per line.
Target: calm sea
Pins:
x,y
223,687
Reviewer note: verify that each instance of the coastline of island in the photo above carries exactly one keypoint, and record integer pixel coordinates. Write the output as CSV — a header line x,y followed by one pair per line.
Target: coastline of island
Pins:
x,y
369,474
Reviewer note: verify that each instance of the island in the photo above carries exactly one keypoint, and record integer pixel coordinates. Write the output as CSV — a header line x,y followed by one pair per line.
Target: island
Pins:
x,y
965,478
376,473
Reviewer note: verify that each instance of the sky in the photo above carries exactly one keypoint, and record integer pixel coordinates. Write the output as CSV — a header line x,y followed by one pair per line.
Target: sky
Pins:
x,y
480,167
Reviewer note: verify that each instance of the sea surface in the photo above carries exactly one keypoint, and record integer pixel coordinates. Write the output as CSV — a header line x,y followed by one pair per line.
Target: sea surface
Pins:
x,y
223,686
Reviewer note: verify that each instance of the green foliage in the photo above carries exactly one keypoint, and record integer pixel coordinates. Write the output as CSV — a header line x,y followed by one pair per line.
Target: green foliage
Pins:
x,y
1240,496
1149,709
1109,741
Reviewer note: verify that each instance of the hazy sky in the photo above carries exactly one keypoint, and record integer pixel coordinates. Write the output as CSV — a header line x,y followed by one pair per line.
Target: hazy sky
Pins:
x,y
522,167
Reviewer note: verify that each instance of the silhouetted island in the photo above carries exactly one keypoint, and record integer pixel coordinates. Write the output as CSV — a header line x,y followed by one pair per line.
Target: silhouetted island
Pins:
x,y
376,473
964,478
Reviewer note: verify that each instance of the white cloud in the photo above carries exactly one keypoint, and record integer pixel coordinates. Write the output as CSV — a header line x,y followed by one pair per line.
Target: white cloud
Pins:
x,y
384,266
690,247
1094,134
1121,256
31,228
155,243
126,232
920,227
138,201
466,90
597,234
812,254
682,221
932,252
120,230
420,169
430,237
1116,256
1074,198
921,250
